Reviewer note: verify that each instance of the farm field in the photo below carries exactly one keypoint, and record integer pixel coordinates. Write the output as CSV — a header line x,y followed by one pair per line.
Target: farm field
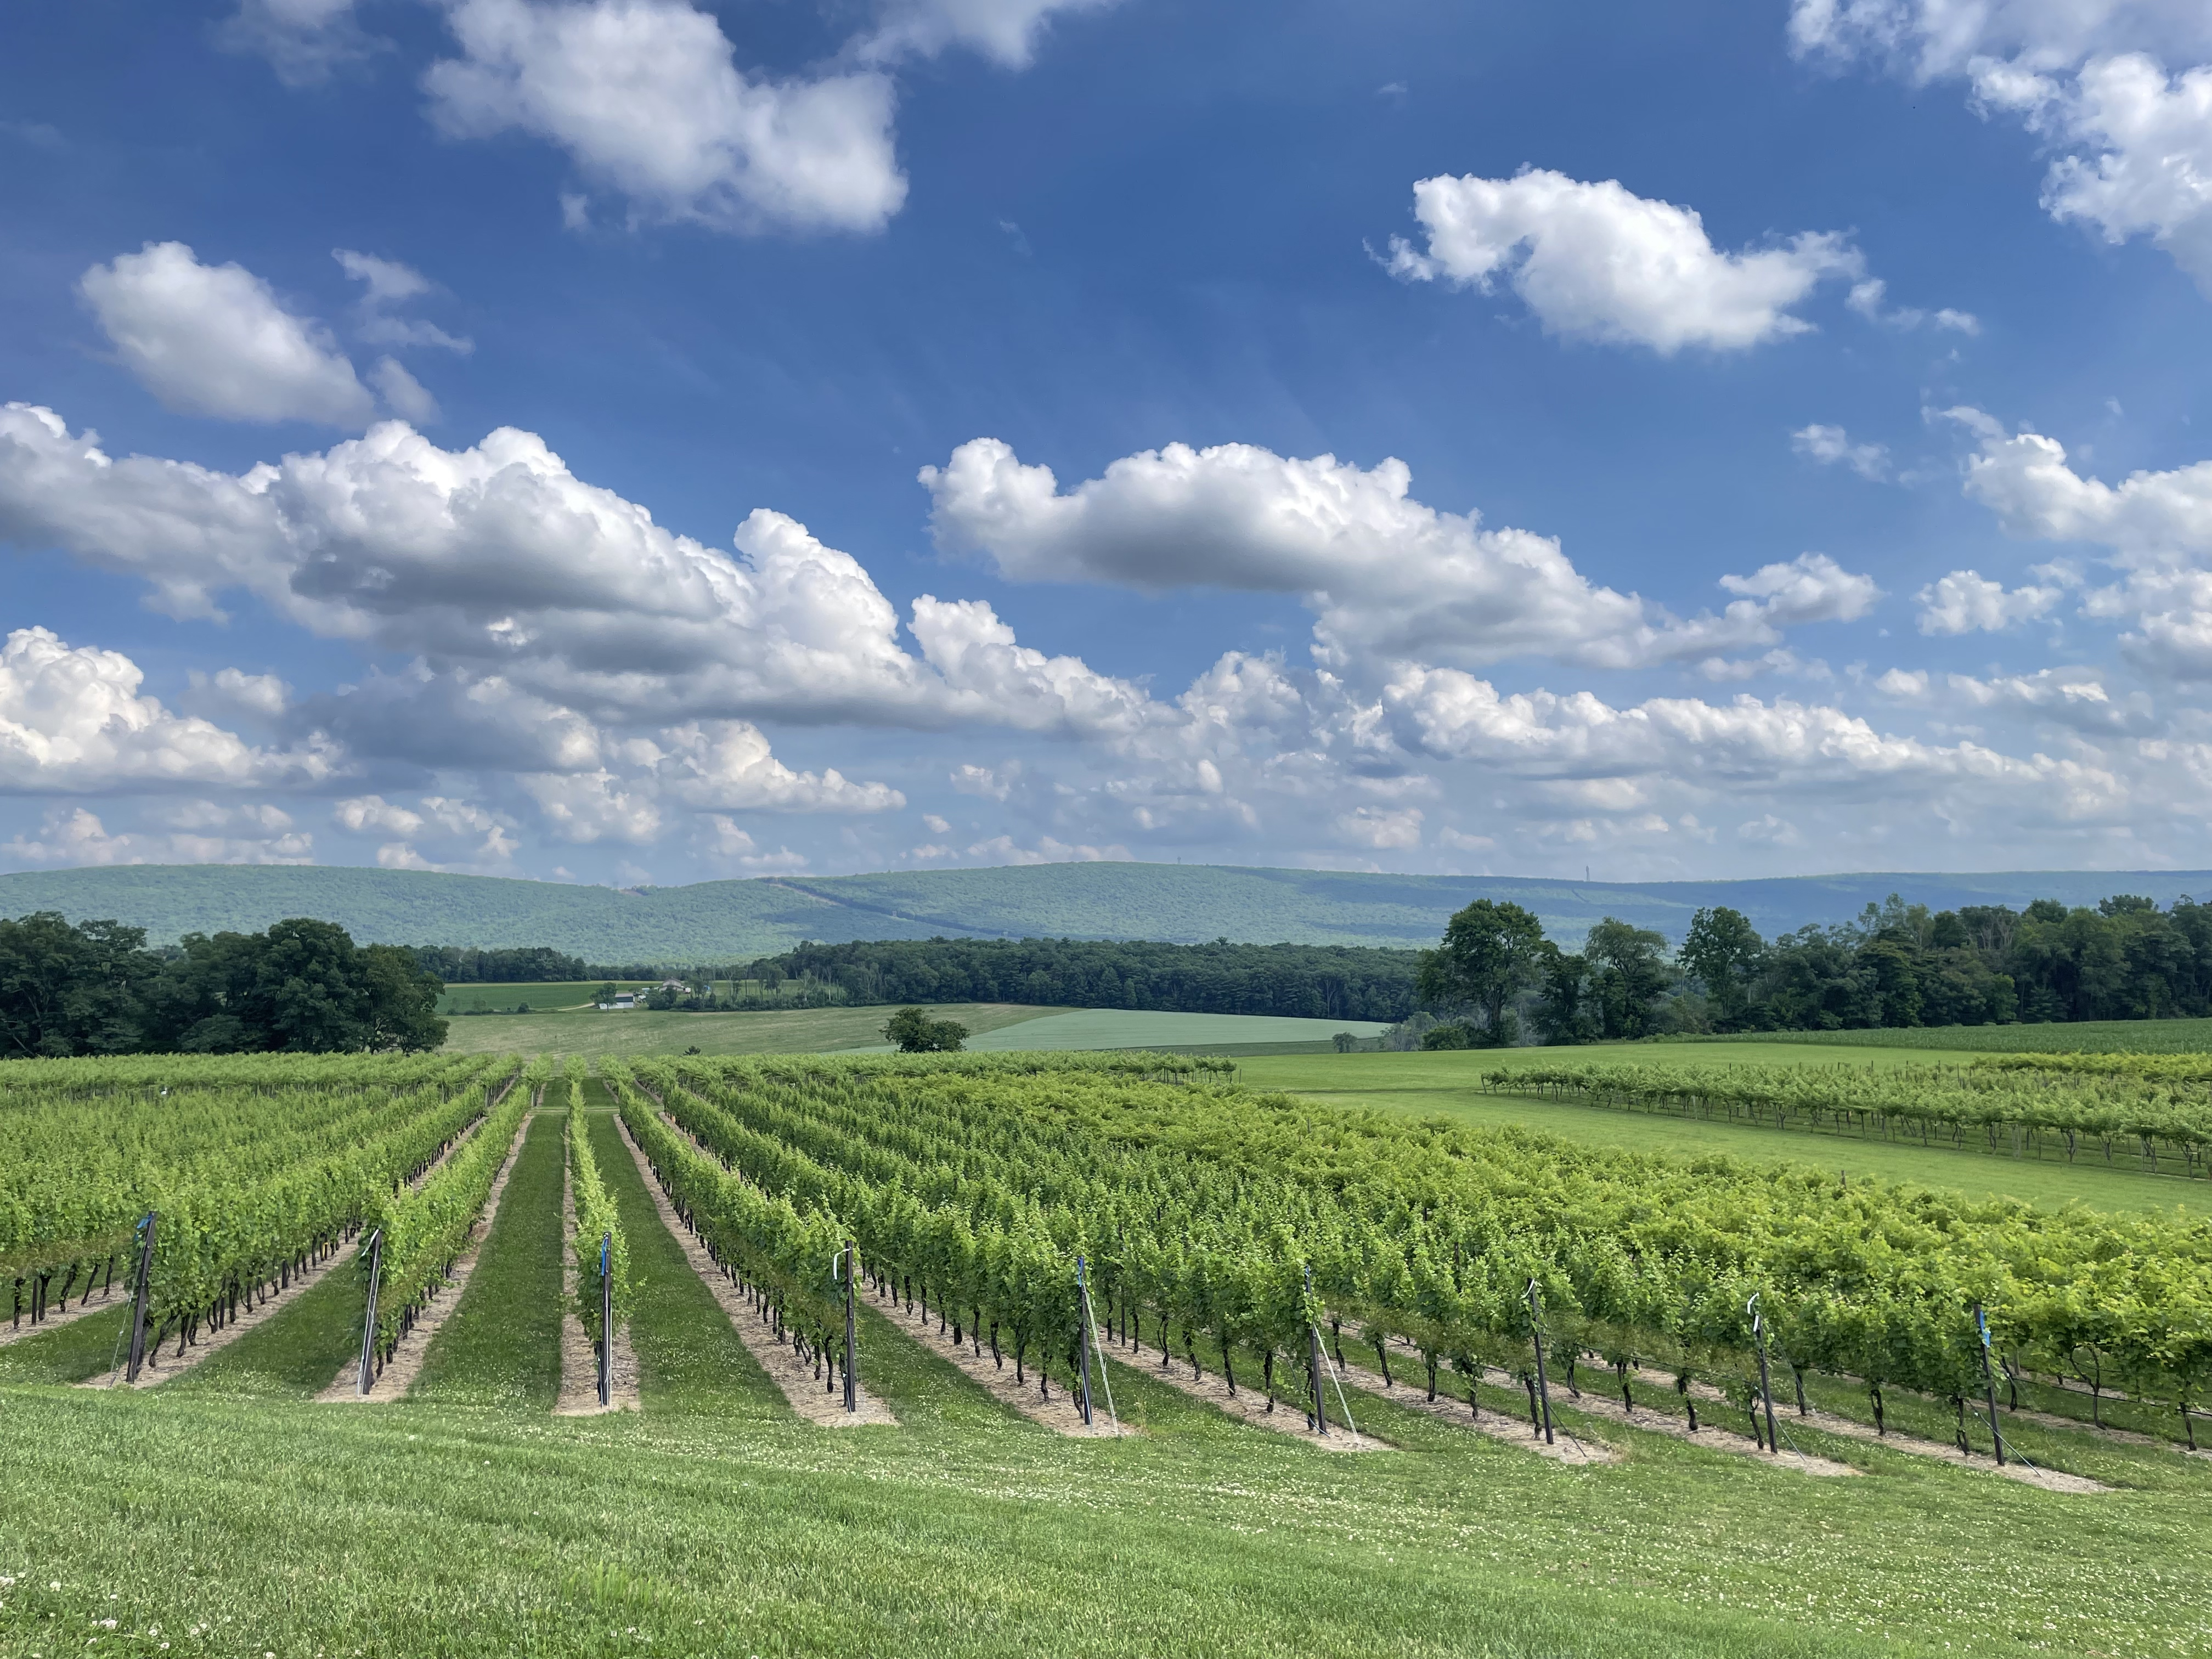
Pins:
x,y
229,1510
1450,1084
1117,1028
642,1031
2153,1037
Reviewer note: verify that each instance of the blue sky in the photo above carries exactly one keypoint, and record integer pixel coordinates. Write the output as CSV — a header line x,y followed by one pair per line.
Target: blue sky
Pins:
x,y
643,440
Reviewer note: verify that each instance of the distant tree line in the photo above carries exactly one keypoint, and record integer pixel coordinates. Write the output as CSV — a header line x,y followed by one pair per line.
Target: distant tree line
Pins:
x,y
304,986
531,964
1495,975
1320,982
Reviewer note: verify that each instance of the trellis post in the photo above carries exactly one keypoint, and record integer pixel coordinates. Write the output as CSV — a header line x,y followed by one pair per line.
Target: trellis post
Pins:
x,y
1989,1382
367,1379
1313,1359
607,1319
1765,1381
852,1347
139,1298
1536,1336
1082,1342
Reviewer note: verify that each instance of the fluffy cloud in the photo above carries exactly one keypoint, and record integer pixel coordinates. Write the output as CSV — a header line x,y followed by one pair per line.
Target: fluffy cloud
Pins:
x,y
303,40
387,284
2147,170
1597,261
1005,31
1830,444
2157,527
74,837
726,764
1385,574
71,722
263,695
2088,74
645,96
1966,600
497,565
213,340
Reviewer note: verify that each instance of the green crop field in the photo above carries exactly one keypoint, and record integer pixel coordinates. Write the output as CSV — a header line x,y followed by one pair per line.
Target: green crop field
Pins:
x,y
228,1511
641,1031
2143,1037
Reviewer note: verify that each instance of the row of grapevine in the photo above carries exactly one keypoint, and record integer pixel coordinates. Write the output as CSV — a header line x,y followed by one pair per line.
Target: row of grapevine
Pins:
x,y
782,1254
427,1227
252,1187
1202,1211
2162,1122
596,1220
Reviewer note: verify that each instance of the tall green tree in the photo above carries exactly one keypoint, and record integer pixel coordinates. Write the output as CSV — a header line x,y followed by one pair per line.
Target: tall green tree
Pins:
x,y
1490,953
1723,950
1629,974
71,990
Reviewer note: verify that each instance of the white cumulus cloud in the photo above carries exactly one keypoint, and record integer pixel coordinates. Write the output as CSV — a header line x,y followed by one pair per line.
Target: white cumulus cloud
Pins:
x,y
1966,601
1005,31
74,837
646,97
214,340
1598,261
1829,445
72,722
1385,574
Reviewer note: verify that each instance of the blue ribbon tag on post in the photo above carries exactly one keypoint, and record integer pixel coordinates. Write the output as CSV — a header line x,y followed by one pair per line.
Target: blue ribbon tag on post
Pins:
x,y
602,1256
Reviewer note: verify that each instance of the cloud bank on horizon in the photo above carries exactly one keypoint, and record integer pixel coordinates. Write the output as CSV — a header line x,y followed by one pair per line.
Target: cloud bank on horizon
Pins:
x,y
1099,478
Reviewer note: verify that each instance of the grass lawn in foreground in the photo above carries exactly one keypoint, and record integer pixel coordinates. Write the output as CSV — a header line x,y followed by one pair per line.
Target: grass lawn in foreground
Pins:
x,y
642,1031
1450,1084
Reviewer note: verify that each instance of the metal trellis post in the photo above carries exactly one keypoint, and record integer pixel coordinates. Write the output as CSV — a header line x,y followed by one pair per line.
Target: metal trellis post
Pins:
x,y
1536,1336
367,1379
1766,1383
1990,1382
139,1298
851,1347
1313,1360
607,1319
1082,1342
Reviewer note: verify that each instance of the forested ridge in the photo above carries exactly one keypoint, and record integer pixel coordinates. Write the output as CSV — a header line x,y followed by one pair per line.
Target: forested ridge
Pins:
x,y
1317,981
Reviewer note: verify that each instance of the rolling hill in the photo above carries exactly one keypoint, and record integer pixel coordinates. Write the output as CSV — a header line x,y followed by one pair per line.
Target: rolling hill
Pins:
x,y
726,920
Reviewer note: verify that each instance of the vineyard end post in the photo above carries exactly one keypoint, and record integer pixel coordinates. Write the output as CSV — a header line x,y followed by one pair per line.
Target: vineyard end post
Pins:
x,y
368,1378
852,1377
1989,1383
139,1298
1082,1342
1765,1380
1313,1360
1536,1336
607,1319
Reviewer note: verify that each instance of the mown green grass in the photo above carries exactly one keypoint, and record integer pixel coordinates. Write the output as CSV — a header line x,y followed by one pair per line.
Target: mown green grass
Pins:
x,y
69,1353
502,1345
689,1358
642,1031
1450,1084
297,1353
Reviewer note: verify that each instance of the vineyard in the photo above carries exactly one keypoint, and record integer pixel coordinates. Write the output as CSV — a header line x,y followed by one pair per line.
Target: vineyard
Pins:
x,y
1210,1267
2152,1112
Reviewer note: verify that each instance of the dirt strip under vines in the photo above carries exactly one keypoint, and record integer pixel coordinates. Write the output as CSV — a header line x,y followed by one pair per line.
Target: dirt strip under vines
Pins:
x,y
1062,1413
580,1356
406,1363
811,1397
1249,1407
108,1295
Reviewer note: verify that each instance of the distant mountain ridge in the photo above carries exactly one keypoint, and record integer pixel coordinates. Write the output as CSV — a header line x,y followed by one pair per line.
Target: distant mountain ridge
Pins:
x,y
727,919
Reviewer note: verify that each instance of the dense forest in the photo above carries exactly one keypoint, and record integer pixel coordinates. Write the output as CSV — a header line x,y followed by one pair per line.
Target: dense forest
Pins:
x,y
534,964
1319,981
303,986
1496,977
